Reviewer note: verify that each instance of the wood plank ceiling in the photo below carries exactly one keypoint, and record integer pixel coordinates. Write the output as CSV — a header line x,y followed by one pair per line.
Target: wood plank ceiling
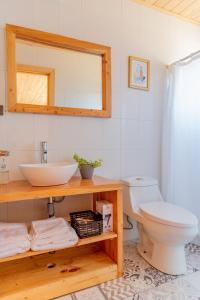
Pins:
x,y
185,9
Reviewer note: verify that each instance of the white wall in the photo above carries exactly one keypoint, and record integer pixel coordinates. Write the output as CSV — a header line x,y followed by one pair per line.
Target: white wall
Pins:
x,y
129,142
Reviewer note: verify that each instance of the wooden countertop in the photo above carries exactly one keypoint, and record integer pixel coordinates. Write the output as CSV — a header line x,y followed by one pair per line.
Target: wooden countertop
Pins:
x,y
22,190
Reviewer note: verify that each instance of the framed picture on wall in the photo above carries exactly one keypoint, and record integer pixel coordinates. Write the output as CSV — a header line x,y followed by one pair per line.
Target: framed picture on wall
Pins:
x,y
139,73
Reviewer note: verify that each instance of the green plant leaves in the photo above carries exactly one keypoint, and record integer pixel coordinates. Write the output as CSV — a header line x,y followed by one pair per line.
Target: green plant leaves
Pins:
x,y
82,161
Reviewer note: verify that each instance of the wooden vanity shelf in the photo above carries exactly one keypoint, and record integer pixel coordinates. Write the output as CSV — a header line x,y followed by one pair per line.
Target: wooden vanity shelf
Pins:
x,y
45,275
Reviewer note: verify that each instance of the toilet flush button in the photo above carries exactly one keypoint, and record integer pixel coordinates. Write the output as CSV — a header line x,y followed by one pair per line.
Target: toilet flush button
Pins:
x,y
139,178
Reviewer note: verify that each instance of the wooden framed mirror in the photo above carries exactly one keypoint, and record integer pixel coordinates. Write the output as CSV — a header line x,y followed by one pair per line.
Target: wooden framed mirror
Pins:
x,y
54,74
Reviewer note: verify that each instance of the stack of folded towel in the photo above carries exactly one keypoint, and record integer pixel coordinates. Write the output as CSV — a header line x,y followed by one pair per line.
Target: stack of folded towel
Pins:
x,y
52,234
14,239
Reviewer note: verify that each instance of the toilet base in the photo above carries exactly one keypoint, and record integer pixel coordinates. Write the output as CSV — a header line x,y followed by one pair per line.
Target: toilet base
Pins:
x,y
169,260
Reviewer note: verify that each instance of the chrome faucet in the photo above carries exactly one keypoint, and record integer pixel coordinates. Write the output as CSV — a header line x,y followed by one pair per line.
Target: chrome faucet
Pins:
x,y
44,152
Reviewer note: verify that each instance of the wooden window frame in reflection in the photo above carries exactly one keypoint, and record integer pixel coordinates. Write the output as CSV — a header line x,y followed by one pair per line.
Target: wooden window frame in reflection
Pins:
x,y
15,32
49,72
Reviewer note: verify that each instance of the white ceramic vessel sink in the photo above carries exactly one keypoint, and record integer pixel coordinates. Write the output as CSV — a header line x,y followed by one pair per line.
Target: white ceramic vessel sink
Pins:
x,y
48,174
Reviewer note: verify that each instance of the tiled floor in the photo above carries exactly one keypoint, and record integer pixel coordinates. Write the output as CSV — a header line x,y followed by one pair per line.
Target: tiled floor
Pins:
x,y
143,282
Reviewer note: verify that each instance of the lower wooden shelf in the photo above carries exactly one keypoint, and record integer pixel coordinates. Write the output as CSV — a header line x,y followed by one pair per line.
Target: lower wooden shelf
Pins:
x,y
42,275
82,242
50,275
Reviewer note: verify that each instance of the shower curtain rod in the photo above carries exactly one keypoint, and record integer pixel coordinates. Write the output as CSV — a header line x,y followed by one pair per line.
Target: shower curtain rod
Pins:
x,y
185,58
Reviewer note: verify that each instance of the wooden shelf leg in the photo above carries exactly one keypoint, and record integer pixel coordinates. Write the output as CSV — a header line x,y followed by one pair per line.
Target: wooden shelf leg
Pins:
x,y
114,248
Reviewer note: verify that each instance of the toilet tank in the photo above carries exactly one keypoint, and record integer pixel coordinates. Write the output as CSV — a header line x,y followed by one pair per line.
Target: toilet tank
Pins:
x,y
138,190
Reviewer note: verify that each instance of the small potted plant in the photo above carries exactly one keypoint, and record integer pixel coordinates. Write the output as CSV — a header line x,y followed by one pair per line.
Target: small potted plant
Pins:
x,y
86,167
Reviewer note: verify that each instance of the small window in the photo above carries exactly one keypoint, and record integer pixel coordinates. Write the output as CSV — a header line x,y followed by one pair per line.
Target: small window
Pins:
x,y
35,85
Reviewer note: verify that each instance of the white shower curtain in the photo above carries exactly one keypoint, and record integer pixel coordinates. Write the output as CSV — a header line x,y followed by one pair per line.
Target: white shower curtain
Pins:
x,y
181,136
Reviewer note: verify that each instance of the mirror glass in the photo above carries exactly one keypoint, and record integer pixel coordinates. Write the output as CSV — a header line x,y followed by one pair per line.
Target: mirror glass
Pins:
x,y
48,75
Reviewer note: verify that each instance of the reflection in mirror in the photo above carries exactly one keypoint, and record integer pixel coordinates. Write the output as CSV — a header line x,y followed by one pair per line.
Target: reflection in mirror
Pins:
x,y
48,75
32,88
35,85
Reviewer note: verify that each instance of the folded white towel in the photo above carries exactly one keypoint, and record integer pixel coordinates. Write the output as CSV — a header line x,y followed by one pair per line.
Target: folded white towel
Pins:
x,y
13,251
4,225
12,230
71,237
21,243
52,234
56,237
48,226
14,239
53,245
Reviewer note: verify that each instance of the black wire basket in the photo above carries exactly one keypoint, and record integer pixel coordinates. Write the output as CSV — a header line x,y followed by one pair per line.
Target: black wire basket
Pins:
x,y
87,223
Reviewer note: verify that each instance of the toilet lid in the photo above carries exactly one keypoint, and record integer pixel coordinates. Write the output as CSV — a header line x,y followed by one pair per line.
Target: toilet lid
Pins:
x,y
169,214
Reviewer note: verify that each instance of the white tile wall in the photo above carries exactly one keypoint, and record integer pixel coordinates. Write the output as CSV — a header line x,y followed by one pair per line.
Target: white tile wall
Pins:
x,y
129,142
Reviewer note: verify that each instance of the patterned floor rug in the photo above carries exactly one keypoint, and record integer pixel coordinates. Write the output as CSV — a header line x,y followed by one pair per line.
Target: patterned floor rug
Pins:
x,y
139,277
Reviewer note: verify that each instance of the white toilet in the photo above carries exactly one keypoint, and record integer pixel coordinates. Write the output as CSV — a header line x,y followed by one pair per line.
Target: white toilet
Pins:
x,y
164,228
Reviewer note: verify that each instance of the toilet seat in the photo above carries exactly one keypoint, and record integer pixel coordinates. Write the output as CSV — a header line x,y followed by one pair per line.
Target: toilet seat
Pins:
x,y
169,214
